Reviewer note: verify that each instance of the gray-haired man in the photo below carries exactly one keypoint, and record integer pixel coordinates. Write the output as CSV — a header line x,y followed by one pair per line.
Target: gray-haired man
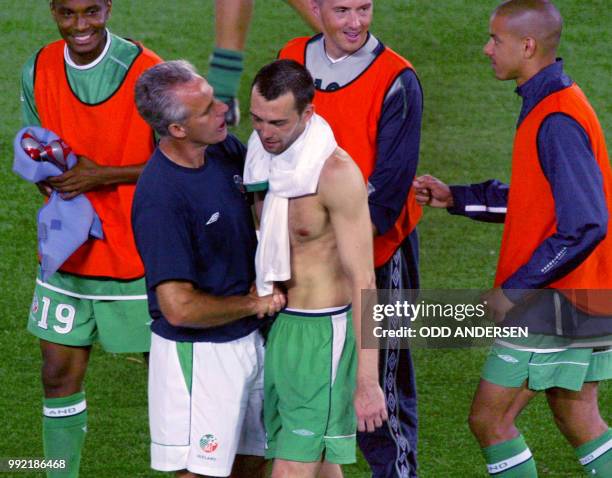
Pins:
x,y
195,234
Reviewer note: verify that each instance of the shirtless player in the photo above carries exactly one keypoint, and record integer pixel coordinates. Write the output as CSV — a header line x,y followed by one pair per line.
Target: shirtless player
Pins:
x,y
311,354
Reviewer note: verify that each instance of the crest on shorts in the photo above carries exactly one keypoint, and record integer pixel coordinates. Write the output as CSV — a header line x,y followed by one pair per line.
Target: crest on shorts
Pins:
x,y
35,304
208,443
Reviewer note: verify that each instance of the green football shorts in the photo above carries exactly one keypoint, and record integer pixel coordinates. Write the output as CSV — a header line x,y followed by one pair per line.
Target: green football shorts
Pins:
x,y
309,381
77,311
568,369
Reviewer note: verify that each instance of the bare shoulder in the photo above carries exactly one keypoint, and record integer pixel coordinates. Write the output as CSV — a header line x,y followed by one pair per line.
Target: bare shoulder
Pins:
x,y
340,168
340,178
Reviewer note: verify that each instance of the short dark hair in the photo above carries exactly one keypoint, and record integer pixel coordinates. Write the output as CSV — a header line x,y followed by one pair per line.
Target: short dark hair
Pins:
x,y
537,18
283,76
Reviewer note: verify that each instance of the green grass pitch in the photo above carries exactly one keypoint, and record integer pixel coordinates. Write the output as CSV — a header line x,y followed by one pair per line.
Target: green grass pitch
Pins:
x,y
467,136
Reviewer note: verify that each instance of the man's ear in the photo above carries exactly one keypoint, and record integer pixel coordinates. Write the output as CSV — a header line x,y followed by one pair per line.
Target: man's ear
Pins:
x,y
530,46
176,131
308,112
315,8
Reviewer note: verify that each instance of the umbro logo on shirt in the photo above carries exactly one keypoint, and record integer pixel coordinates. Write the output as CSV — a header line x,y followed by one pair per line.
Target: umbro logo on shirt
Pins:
x,y
213,218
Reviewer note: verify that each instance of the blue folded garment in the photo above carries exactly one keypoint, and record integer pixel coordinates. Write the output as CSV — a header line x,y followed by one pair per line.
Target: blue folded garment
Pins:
x,y
63,225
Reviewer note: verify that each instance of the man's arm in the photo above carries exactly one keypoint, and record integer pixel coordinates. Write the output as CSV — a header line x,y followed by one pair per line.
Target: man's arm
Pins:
x,y
343,193
88,175
482,202
486,202
164,234
258,201
397,151
29,113
185,306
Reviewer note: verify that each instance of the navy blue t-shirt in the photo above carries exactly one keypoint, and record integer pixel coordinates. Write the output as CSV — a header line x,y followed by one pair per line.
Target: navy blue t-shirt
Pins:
x,y
196,225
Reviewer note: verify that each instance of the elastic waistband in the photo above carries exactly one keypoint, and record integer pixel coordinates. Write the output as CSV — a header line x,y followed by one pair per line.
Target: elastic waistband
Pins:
x,y
316,313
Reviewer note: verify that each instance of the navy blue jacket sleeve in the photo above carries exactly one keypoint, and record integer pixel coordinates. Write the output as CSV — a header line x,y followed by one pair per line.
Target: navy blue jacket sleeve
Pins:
x,y
482,202
398,140
575,179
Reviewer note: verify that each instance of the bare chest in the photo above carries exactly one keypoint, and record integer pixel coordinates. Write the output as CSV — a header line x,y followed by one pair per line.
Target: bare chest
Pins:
x,y
308,219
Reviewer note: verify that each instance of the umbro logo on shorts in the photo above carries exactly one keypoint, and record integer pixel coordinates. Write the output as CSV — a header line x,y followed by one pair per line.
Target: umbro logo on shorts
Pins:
x,y
213,218
303,432
508,358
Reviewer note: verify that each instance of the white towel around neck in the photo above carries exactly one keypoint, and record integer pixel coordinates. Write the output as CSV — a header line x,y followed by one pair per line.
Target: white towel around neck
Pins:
x,y
293,173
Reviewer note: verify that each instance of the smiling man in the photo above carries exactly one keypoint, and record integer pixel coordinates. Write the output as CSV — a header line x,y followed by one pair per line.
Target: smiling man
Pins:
x,y
372,99
82,88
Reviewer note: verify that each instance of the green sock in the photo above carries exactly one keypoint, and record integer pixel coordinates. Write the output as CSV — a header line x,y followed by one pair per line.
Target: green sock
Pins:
x,y
596,456
510,459
224,72
64,428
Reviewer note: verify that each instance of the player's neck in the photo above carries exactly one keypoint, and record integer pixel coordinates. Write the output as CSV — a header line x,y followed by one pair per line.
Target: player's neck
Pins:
x,y
533,68
186,155
90,59
336,54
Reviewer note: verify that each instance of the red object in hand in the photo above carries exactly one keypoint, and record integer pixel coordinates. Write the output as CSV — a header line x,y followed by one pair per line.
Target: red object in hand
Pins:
x,y
55,152
32,147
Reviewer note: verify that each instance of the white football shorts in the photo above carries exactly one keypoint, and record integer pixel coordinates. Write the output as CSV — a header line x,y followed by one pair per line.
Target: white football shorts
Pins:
x,y
205,403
